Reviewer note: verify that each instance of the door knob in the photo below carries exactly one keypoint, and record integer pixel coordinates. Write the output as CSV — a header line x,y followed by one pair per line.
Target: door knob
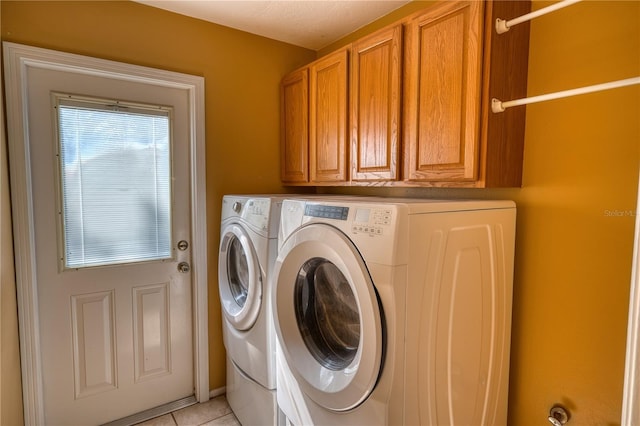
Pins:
x,y
184,267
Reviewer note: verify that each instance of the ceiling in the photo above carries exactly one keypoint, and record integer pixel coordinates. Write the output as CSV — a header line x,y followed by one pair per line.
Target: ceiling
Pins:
x,y
313,24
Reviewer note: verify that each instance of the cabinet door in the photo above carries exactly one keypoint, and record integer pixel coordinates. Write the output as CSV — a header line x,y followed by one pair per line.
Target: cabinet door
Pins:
x,y
375,105
294,131
442,93
328,118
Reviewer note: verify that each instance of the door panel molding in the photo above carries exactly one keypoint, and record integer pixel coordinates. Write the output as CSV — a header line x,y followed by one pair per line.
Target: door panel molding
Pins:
x,y
18,59
94,341
151,309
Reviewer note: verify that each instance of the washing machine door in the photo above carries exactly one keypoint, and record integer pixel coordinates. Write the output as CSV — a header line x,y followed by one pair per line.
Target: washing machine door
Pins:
x,y
328,317
239,277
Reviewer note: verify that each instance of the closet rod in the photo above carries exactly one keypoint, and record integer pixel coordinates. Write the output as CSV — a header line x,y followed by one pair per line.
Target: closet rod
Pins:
x,y
499,106
502,26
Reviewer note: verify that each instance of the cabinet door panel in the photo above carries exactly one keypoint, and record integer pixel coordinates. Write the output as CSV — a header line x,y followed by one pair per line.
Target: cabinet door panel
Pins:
x,y
375,105
442,95
328,118
294,132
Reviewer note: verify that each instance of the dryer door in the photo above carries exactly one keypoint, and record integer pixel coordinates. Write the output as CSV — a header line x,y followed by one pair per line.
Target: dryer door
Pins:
x,y
327,317
239,278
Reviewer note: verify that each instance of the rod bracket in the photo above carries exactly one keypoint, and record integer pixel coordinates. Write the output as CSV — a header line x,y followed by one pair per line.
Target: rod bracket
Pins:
x,y
496,106
501,26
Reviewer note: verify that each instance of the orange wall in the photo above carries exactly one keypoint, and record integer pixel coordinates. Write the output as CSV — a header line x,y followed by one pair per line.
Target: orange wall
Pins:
x,y
573,253
10,384
575,214
242,73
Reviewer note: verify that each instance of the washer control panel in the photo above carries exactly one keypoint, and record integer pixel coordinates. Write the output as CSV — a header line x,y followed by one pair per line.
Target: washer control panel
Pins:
x,y
371,226
326,212
371,221
368,220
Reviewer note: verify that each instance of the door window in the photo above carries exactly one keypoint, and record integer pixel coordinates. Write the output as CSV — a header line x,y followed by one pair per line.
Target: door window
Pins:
x,y
238,272
327,313
115,179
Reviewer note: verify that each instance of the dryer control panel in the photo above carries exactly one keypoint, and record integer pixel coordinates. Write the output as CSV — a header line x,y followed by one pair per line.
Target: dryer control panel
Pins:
x,y
260,214
256,213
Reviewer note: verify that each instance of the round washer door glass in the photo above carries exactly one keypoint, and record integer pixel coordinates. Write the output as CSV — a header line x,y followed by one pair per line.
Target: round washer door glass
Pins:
x,y
239,278
327,313
327,317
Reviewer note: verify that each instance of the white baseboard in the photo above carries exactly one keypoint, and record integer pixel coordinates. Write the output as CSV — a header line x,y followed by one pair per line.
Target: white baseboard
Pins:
x,y
218,392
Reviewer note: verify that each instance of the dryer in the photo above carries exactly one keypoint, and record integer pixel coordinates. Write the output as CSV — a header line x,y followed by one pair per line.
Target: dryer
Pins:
x,y
394,311
248,246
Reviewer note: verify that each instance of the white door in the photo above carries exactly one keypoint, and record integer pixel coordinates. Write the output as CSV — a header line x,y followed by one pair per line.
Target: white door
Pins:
x,y
327,317
110,179
115,312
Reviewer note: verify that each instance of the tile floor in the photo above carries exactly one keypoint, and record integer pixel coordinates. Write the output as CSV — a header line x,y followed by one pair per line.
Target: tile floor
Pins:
x,y
215,412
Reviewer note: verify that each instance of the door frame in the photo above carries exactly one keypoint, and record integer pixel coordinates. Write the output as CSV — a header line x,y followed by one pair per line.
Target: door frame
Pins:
x,y
17,60
631,392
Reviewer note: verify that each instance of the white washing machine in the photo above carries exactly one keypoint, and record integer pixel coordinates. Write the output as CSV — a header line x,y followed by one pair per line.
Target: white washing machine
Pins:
x,y
248,248
394,311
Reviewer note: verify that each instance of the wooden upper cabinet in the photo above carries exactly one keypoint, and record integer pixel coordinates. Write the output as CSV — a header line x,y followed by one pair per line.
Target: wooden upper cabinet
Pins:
x,y
376,67
442,93
410,105
328,155
294,127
